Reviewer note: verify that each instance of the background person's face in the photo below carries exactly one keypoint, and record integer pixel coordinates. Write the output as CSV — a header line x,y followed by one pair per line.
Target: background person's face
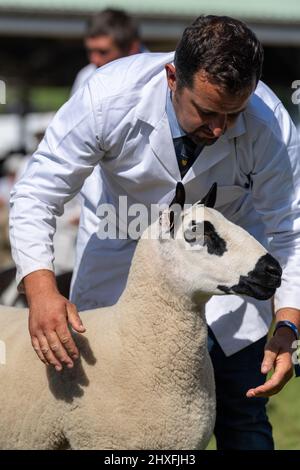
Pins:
x,y
206,111
101,50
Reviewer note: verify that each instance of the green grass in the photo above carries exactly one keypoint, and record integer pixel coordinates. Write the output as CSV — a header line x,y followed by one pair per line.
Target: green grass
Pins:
x,y
284,414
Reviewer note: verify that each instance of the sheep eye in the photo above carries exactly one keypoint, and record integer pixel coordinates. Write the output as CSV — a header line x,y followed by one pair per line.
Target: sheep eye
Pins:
x,y
193,226
194,232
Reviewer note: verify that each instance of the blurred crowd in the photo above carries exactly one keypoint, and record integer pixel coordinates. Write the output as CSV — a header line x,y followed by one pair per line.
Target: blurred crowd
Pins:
x,y
65,239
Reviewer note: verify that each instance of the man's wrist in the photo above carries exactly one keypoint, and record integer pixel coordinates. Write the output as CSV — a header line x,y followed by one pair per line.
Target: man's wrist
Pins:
x,y
289,314
39,282
284,326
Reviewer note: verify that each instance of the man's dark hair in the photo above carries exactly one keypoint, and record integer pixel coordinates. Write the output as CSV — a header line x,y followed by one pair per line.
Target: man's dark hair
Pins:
x,y
115,23
222,47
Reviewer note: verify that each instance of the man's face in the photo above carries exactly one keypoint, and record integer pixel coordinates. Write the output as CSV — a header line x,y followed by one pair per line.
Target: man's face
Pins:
x,y
206,111
102,50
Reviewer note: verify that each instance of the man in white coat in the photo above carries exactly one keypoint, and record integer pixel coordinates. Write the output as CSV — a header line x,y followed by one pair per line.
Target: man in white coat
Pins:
x,y
146,122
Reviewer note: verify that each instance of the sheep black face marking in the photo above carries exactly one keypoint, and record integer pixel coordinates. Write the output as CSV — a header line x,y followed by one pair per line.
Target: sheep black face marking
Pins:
x,y
215,244
260,283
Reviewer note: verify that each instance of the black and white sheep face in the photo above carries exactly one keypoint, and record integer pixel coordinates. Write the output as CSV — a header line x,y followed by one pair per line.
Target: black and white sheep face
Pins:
x,y
214,256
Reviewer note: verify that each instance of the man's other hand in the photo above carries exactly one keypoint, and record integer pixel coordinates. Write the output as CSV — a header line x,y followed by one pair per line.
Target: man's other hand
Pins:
x,y
278,355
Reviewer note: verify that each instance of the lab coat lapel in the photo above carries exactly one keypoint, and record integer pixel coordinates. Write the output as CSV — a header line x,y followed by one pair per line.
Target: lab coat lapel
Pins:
x,y
152,110
161,143
209,157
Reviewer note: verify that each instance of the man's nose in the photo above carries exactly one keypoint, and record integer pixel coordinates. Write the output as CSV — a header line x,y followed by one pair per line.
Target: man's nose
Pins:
x,y
218,125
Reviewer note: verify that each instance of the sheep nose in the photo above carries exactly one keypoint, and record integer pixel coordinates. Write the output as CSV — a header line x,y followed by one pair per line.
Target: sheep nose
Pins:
x,y
269,266
260,283
272,265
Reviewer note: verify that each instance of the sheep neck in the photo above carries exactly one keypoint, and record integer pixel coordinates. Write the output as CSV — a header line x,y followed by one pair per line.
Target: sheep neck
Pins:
x,y
165,325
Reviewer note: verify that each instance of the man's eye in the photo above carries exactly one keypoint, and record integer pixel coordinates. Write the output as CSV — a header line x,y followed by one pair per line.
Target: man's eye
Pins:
x,y
207,113
233,115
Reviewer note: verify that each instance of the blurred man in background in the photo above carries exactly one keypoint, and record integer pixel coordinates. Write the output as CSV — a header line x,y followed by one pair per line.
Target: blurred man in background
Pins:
x,y
111,34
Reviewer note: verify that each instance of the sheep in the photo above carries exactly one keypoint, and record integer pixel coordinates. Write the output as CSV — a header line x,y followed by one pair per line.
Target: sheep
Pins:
x,y
144,379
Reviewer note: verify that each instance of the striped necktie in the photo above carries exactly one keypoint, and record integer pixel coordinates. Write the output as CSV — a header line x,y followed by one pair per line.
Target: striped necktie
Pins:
x,y
186,152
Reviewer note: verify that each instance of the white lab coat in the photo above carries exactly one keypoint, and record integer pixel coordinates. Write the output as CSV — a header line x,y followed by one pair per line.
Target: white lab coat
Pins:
x,y
118,123
83,77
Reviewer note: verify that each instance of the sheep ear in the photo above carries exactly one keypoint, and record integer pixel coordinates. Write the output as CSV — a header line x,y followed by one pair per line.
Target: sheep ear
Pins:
x,y
179,195
179,199
210,199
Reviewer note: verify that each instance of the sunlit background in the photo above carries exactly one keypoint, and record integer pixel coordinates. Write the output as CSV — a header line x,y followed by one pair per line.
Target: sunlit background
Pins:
x,y
41,51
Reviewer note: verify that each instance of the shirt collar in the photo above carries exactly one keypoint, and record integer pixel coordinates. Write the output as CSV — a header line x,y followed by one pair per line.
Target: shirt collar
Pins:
x,y
175,128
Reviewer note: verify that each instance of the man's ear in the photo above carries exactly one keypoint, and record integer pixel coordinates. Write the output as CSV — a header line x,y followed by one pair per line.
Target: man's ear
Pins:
x,y
171,76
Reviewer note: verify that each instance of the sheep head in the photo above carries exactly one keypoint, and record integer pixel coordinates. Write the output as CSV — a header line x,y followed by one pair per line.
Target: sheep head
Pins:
x,y
213,256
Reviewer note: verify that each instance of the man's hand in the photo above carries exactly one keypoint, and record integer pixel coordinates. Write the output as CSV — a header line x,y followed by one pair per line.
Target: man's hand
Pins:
x,y
278,355
49,315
